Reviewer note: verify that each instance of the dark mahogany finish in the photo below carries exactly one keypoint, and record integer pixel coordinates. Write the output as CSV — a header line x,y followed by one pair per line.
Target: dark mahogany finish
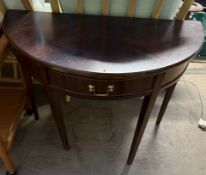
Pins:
x,y
103,57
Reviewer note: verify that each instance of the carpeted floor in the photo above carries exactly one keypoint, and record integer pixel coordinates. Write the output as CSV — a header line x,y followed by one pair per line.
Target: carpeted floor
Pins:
x,y
100,134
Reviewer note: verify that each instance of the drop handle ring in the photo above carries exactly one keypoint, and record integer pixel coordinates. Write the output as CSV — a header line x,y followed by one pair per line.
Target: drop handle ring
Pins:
x,y
92,90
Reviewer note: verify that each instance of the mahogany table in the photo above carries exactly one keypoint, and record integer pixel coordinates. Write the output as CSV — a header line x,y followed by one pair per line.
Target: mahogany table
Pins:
x,y
103,58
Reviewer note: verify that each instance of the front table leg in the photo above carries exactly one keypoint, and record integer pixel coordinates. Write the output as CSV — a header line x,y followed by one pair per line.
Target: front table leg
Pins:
x,y
58,115
144,115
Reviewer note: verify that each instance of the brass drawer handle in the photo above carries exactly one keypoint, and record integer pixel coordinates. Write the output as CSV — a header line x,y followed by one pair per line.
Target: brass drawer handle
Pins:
x,y
92,90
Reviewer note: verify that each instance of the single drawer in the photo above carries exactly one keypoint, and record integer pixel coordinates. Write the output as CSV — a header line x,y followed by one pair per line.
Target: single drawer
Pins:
x,y
99,88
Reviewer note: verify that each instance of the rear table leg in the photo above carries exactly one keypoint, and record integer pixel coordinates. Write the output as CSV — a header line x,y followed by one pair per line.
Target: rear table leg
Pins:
x,y
31,102
165,102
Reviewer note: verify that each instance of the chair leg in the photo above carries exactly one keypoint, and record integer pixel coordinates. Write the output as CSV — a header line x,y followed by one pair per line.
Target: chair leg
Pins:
x,y
7,160
165,102
8,173
67,98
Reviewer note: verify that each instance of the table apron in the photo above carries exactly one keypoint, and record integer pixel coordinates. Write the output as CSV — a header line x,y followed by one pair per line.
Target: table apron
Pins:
x,y
75,85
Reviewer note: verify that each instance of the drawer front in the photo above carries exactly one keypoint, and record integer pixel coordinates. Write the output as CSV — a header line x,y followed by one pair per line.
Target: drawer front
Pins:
x,y
99,88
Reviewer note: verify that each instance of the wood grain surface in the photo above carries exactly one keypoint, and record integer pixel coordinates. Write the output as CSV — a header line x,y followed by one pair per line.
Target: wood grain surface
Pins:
x,y
98,45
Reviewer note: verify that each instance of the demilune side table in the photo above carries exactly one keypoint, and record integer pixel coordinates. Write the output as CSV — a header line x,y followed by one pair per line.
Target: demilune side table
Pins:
x,y
103,58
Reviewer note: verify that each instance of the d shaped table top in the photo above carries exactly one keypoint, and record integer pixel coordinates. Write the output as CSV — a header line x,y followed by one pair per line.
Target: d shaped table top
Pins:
x,y
99,45
102,58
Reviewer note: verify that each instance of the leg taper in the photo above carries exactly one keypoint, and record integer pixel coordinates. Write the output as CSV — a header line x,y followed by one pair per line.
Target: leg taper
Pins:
x,y
145,112
55,105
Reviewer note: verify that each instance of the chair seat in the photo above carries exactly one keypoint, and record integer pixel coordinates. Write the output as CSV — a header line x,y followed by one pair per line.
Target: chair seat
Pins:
x,y
12,101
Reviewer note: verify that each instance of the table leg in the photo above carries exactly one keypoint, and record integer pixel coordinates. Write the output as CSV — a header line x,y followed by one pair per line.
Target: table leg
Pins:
x,y
27,81
168,95
144,115
55,105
